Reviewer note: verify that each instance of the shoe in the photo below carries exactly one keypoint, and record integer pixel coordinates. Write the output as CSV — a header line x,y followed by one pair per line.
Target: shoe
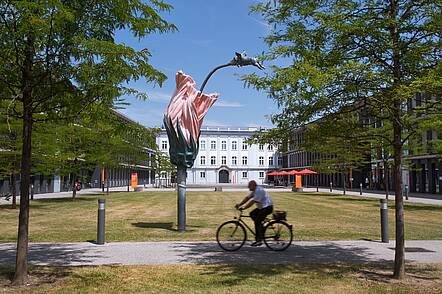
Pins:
x,y
256,244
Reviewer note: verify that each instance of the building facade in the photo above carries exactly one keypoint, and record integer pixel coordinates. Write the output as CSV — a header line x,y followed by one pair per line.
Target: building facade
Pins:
x,y
225,157
100,177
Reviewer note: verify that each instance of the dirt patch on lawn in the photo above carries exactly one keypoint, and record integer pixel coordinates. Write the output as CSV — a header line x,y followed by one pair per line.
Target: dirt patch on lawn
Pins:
x,y
38,276
422,277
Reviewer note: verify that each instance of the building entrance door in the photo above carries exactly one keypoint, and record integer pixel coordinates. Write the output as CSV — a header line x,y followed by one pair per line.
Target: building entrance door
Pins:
x,y
223,176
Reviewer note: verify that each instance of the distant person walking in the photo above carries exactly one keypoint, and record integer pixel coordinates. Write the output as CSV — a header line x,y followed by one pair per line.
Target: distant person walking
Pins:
x,y
264,207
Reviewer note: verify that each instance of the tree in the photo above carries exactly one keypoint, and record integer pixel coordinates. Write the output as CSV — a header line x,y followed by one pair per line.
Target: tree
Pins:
x,y
10,152
58,58
353,55
341,151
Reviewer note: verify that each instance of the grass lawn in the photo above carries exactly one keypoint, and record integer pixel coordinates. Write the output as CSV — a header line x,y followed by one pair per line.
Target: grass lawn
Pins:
x,y
151,216
227,278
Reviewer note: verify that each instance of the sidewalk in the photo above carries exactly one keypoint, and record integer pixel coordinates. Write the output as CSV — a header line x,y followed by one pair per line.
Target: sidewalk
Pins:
x,y
433,199
130,253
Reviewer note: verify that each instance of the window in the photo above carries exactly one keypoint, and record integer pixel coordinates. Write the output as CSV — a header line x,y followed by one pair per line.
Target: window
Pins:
x,y
280,161
223,145
261,175
244,146
261,147
244,175
212,160
223,160
203,175
212,145
244,160
270,148
203,160
261,160
234,145
203,145
164,145
271,160
234,161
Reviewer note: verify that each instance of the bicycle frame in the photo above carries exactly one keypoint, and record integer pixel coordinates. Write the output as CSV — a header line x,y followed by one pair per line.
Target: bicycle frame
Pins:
x,y
239,219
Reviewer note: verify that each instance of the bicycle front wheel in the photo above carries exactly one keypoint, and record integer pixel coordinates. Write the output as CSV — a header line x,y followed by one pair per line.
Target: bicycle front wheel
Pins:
x,y
278,235
231,235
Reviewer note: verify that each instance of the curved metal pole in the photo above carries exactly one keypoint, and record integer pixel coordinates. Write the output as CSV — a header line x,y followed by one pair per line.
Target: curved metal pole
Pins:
x,y
211,73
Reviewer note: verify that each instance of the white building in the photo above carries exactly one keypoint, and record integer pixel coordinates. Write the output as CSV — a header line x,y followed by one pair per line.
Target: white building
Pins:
x,y
225,157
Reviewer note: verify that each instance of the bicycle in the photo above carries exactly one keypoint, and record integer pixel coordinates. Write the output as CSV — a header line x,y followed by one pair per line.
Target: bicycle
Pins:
x,y
278,234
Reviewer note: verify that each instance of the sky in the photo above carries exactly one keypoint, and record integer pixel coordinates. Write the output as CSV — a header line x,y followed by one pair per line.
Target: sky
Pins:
x,y
209,33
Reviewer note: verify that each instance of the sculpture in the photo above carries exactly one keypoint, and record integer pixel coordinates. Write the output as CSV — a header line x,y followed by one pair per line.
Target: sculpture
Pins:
x,y
183,119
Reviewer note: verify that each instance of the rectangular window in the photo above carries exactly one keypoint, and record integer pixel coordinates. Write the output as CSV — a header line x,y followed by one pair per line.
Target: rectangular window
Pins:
x,y
234,145
203,145
203,160
261,147
271,160
270,148
223,160
244,160
212,160
212,145
244,146
223,145
244,175
164,145
261,175
261,160
234,160
203,175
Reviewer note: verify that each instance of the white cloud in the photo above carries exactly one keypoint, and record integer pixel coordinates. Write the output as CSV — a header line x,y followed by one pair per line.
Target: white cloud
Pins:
x,y
214,123
224,103
267,27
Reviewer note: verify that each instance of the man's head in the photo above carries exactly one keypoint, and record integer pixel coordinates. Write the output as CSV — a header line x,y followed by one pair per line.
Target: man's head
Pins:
x,y
252,185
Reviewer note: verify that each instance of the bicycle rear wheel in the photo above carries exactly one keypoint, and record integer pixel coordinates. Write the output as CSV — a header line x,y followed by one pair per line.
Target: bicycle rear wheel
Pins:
x,y
278,235
231,235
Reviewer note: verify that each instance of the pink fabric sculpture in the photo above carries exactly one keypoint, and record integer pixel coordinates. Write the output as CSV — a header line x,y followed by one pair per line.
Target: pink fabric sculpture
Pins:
x,y
183,119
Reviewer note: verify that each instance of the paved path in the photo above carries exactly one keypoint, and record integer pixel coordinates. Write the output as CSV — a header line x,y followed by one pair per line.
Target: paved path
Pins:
x,y
415,198
130,253
434,199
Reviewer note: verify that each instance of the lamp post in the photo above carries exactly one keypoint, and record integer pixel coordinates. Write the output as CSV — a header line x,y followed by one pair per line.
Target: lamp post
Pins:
x,y
183,120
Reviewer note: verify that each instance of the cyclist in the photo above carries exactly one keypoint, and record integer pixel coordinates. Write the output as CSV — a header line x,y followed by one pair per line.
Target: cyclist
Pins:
x,y
264,207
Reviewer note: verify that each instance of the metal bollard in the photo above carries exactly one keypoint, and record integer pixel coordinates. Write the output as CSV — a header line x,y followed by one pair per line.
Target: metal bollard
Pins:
x,y
360,189
317,189
384,220
406,192
101,222
331,187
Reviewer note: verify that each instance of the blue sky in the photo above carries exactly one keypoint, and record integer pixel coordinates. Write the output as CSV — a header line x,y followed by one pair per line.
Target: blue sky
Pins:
x,y
209,32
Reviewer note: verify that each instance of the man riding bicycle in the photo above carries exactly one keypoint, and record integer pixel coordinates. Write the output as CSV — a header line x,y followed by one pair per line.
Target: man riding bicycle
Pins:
x,y
264,207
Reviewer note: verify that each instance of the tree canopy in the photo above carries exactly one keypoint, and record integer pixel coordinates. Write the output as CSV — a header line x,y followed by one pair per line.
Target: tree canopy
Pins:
x,y
367,58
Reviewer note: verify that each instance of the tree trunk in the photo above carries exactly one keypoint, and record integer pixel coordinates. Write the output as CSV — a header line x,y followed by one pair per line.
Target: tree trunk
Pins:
x,y
344,175
399,257
14,191
74,186
107,179
21,266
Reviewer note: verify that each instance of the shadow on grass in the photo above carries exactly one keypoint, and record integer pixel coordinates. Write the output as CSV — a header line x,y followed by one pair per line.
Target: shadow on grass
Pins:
x,y
80,199
412,207
164,226
38,276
